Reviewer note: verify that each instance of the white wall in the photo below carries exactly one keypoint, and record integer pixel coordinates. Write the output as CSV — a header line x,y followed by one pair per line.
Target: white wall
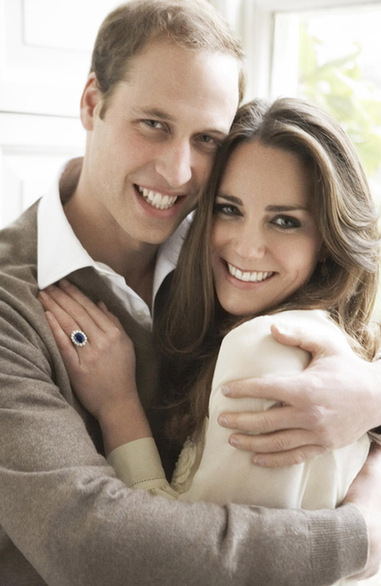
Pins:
x,y
45,49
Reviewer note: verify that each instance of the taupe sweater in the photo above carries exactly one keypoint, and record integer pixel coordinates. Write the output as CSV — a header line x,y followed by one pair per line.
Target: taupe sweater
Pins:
x,y
65,520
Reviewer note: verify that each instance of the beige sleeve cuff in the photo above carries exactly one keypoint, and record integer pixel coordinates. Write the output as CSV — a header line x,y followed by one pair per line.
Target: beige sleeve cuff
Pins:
x,y
138,465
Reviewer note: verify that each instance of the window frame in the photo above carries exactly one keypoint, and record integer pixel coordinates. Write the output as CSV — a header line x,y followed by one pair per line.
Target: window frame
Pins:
x,y
254,22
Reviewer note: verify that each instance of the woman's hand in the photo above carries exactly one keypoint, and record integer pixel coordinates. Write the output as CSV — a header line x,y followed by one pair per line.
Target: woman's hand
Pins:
x,y
102,372
332,403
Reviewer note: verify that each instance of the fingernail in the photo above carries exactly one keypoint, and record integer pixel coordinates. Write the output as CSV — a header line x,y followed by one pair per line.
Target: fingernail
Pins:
x,y
223,421
64,283
258,461
234,442
225,390
43,295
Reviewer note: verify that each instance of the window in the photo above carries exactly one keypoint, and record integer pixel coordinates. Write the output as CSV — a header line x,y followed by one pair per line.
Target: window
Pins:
x,y
331,57
326,50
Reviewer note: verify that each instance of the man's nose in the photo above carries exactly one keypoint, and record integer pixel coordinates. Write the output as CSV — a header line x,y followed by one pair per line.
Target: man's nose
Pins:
x,y
175,164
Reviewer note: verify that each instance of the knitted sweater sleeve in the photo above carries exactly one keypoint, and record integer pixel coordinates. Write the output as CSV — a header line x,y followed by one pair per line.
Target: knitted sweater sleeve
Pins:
x,y
66,520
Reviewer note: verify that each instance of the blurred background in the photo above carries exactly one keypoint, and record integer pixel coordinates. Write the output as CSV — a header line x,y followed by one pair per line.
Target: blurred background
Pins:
x,y
327,50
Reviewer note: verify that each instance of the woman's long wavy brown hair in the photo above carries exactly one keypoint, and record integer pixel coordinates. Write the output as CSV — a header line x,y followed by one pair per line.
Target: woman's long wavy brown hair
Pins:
x,y
344,284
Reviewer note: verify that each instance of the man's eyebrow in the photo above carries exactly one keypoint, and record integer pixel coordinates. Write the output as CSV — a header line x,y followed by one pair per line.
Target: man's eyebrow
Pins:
x,y
154,113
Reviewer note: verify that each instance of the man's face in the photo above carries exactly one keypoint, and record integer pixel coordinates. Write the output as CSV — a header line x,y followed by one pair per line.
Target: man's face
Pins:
x,y
152,151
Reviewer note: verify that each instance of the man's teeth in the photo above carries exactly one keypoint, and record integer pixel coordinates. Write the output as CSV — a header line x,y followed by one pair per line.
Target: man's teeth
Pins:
x,y
158,200
252,277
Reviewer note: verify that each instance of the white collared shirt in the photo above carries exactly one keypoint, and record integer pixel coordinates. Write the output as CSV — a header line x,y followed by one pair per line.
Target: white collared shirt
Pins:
x,y
60,253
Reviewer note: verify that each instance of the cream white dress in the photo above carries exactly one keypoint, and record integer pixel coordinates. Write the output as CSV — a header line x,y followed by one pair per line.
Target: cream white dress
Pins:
x,y
210,469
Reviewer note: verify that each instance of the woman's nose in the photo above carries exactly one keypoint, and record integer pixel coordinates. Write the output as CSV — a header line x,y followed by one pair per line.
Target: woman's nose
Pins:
x,y
250,243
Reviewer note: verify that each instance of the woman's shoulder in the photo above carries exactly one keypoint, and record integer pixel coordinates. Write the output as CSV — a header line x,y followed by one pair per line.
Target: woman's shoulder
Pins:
x,y
250,349
301,318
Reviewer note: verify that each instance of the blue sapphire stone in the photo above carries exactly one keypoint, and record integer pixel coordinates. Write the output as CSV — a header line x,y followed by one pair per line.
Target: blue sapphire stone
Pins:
x,y
79,338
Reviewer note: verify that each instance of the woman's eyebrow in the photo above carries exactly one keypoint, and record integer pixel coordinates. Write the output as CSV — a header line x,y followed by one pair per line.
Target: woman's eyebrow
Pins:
x,y
230,198
285,208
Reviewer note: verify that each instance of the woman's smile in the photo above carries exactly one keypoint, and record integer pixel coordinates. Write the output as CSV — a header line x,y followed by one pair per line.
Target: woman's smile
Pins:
x,y
248,276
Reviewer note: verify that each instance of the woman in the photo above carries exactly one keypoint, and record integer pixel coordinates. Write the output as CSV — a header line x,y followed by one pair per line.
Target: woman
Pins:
x,y
286,230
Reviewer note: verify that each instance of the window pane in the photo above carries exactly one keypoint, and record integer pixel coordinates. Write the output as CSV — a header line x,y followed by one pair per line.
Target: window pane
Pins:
x,y
332,57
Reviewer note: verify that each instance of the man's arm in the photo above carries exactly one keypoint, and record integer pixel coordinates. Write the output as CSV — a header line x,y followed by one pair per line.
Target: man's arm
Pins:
x,y
78,525
363,493
329,405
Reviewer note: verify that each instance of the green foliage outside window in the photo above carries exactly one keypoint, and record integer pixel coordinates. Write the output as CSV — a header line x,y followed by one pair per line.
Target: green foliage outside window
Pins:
x,y
338,85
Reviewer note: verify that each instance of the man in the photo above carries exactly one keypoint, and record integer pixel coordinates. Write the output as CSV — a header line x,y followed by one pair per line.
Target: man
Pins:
x,y
161,95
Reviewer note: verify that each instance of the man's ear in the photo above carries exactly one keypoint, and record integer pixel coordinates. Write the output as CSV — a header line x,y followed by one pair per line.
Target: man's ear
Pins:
x,y
91,98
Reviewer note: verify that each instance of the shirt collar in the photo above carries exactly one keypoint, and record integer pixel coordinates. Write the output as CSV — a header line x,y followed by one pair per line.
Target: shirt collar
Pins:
x,y
60,252
169,253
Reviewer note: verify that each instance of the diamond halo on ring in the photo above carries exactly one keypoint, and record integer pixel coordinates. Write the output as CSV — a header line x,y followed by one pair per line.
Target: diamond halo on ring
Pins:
x,y
78,338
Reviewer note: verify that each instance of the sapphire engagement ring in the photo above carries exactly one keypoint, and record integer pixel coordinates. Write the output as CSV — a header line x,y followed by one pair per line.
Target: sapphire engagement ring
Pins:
x,y
78,338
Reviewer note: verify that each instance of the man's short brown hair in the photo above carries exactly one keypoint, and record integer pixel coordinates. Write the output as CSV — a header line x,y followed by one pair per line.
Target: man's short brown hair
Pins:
x,y
192,24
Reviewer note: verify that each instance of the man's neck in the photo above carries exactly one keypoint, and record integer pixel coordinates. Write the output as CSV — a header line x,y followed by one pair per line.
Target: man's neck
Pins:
x,y
135,261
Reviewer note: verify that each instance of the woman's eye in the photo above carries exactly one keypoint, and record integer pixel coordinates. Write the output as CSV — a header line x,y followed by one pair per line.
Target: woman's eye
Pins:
x,y
286,222
226,209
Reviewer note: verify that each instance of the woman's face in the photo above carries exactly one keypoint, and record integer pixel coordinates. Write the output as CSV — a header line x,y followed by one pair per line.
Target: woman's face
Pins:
x,y
264,243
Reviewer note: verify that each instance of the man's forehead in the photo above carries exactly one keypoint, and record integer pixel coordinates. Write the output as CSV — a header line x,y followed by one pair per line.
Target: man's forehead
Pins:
x,y
183,86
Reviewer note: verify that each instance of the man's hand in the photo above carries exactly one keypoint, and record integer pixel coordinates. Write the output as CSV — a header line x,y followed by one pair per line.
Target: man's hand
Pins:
x,y
329,405
366,495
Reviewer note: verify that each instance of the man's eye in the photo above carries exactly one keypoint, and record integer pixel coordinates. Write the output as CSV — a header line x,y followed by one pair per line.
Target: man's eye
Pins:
x,y
208,141
153,124
286,222
207,138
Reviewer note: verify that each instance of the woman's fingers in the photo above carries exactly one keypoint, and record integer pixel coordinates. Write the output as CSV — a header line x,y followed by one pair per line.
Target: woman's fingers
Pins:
x,y
74,311
63,325
66,301
67,350
61,312
78,304
99,313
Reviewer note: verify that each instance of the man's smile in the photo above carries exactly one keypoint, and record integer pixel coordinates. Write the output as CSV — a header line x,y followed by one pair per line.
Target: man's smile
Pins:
x,y
157,200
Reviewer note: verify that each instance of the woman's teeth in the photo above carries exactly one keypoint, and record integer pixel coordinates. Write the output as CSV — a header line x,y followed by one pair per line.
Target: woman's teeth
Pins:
x,y
247,276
